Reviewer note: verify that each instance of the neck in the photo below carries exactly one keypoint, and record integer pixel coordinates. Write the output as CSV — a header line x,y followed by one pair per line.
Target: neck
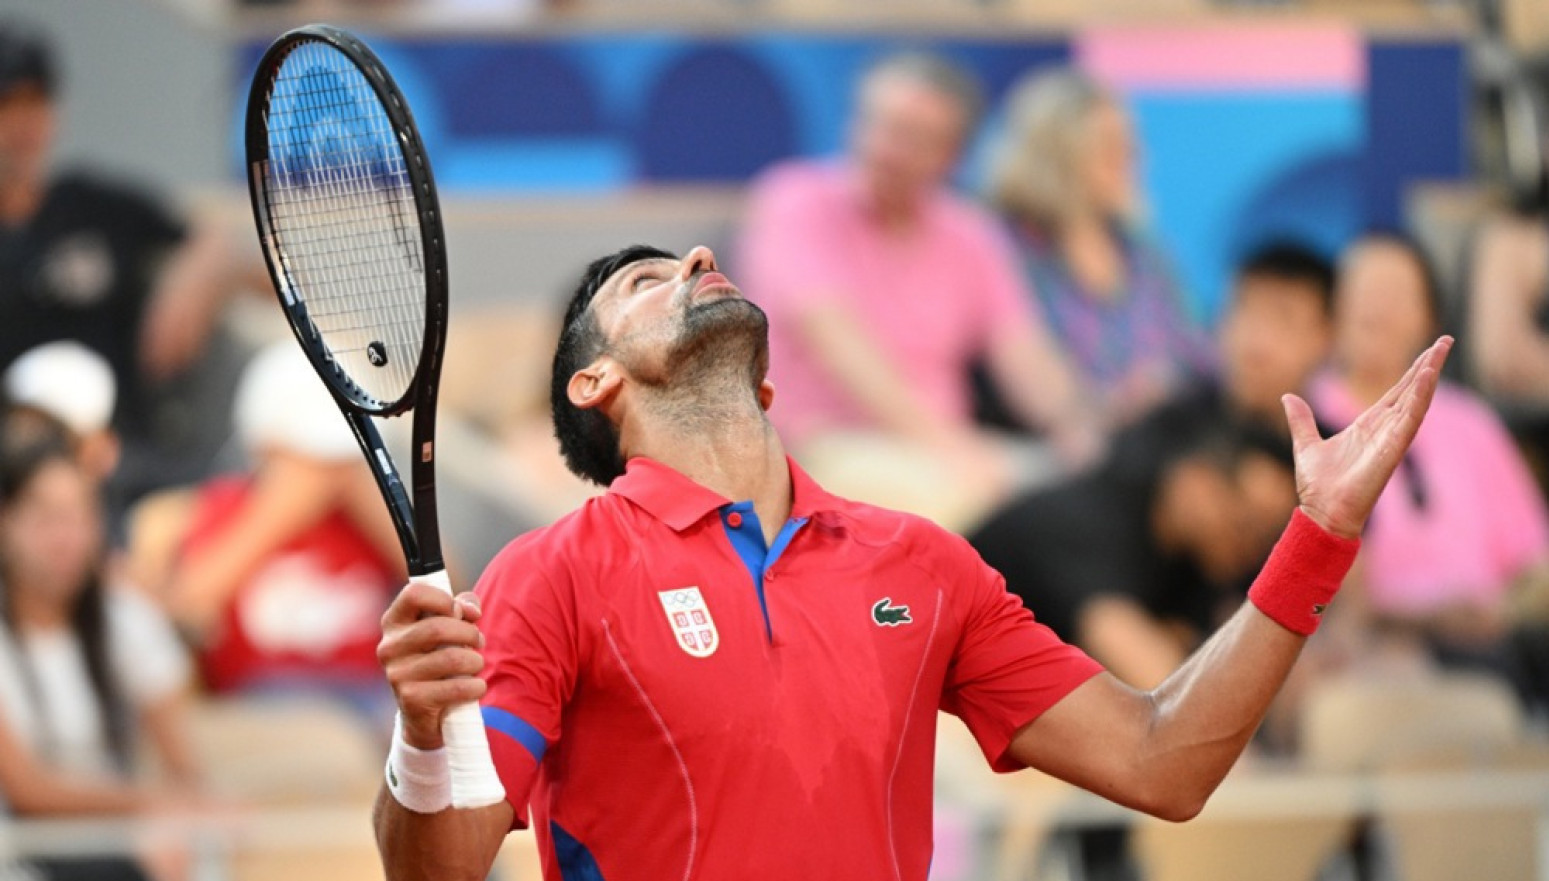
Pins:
x,y
1167,529
1091,254
32,613
894,211
723,442
1366,387
19,200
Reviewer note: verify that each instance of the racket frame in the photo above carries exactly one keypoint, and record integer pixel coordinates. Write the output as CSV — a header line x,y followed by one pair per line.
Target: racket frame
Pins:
x,y
413,508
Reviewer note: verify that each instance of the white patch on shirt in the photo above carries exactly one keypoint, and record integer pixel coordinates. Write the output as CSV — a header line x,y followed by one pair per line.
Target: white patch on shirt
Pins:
x,y
689,617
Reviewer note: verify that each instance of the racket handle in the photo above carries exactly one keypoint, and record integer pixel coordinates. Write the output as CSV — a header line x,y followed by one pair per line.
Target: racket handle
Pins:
x,y
474,781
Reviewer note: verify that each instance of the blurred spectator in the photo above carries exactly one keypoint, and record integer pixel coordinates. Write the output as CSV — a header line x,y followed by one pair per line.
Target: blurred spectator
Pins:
x,y
1154,524
882,287
91,260
1274,337
87,671
281,575
1139,572
1461,527
1508,321
1065,180
65,381
74,385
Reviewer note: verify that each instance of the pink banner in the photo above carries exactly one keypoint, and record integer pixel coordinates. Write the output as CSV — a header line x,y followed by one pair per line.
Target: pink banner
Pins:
x,y
1226,57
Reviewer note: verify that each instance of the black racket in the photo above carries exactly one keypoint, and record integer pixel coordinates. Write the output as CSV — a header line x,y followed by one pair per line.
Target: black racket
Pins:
x,y
351,229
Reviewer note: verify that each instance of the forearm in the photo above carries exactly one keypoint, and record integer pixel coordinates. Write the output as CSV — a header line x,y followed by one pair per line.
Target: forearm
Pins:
x,y
1165,751
848,354
1510,357
166,722
46,794
1205,713
450,845
188,298
289,496
1045,393
1126,640
1039,386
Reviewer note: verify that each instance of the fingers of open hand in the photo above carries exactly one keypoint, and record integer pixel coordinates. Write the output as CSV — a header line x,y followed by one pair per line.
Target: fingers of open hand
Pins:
x,y
1299,418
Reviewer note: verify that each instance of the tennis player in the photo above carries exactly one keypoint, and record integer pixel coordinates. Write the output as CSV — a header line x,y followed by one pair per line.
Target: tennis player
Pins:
x,y
717,670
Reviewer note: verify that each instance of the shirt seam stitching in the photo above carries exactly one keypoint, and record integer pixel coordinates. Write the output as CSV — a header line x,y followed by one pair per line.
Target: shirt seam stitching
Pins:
x,y
903,736
688,783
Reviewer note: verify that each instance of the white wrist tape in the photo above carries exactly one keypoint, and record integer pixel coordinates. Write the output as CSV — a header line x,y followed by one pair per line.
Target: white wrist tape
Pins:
x,y
419,779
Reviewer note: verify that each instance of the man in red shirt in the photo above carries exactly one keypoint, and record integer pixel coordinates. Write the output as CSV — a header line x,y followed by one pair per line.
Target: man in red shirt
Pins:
x,y
719,670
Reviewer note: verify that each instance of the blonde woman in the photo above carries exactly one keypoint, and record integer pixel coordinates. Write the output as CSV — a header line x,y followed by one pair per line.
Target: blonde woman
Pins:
x,y
1064,179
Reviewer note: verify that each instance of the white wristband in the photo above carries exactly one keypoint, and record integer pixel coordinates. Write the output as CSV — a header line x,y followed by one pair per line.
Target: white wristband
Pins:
x,y
419,779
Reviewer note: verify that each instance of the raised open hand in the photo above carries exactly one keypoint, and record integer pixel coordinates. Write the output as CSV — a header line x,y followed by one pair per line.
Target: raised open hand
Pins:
x,y
1339,479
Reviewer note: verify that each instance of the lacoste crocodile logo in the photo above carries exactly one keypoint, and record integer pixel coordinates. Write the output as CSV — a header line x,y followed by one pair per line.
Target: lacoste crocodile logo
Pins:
x,y
888,615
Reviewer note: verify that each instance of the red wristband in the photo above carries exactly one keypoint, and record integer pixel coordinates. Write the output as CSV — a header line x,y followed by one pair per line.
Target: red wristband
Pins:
x,y
1303,574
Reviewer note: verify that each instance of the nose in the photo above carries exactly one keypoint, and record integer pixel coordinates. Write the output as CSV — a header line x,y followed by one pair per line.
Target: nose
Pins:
x,y
697,261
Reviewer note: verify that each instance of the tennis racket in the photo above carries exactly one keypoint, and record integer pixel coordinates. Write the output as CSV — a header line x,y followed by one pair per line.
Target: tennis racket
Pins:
x,y
351,230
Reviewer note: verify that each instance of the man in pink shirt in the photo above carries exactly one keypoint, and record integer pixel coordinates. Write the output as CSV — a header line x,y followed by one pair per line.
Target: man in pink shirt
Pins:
x,y
883,286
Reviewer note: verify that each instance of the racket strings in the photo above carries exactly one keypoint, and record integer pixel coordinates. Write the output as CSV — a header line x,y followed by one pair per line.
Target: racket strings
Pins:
x,y
342,209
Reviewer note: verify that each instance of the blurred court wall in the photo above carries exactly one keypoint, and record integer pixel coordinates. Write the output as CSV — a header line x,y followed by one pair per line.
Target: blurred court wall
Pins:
x,y
145,92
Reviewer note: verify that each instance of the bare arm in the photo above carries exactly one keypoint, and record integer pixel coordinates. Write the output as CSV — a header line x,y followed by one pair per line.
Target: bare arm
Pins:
x,y
1040,386
33,789
845,348
430,652
290,494
1165,751
192,288
1511,271
166,721
1125,639
362,502
452,845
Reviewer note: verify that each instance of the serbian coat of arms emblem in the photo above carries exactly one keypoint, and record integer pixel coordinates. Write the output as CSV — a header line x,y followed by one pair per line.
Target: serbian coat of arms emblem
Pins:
x,y
690,619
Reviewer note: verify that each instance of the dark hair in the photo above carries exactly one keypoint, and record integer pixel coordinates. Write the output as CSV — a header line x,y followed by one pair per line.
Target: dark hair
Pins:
x,y
19,467
1292,261
1429,276
25,58
588,441
23,426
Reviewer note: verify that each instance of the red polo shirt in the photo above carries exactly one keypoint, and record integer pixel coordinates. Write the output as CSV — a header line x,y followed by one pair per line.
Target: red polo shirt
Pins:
x,y
677,700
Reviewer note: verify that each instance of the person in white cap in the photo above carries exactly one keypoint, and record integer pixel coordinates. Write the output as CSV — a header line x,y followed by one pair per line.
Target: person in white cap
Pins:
x,y
75,385
281,574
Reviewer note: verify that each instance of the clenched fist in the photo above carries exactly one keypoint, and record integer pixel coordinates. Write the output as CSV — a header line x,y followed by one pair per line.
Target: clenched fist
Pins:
x,y
430,651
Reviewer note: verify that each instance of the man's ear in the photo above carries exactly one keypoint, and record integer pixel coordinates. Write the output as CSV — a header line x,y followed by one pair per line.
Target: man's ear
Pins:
x,y
595,384
766,394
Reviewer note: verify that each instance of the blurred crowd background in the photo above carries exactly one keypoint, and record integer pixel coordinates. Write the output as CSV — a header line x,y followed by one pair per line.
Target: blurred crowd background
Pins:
x,y
1041,270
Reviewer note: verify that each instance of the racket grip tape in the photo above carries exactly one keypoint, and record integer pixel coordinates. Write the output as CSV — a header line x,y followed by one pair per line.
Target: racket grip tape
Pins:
x,y
474,781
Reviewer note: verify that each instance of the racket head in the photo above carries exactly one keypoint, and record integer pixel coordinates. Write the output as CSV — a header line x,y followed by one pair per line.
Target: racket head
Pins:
x,y
348,218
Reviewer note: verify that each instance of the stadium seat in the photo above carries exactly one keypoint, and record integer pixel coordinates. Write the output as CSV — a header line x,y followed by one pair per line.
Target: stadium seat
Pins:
x,y
286,751
1450,722
1229,850
1360,724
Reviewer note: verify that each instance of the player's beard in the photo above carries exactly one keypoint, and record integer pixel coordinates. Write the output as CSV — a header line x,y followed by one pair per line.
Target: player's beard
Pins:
x,y
714,364
721,342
